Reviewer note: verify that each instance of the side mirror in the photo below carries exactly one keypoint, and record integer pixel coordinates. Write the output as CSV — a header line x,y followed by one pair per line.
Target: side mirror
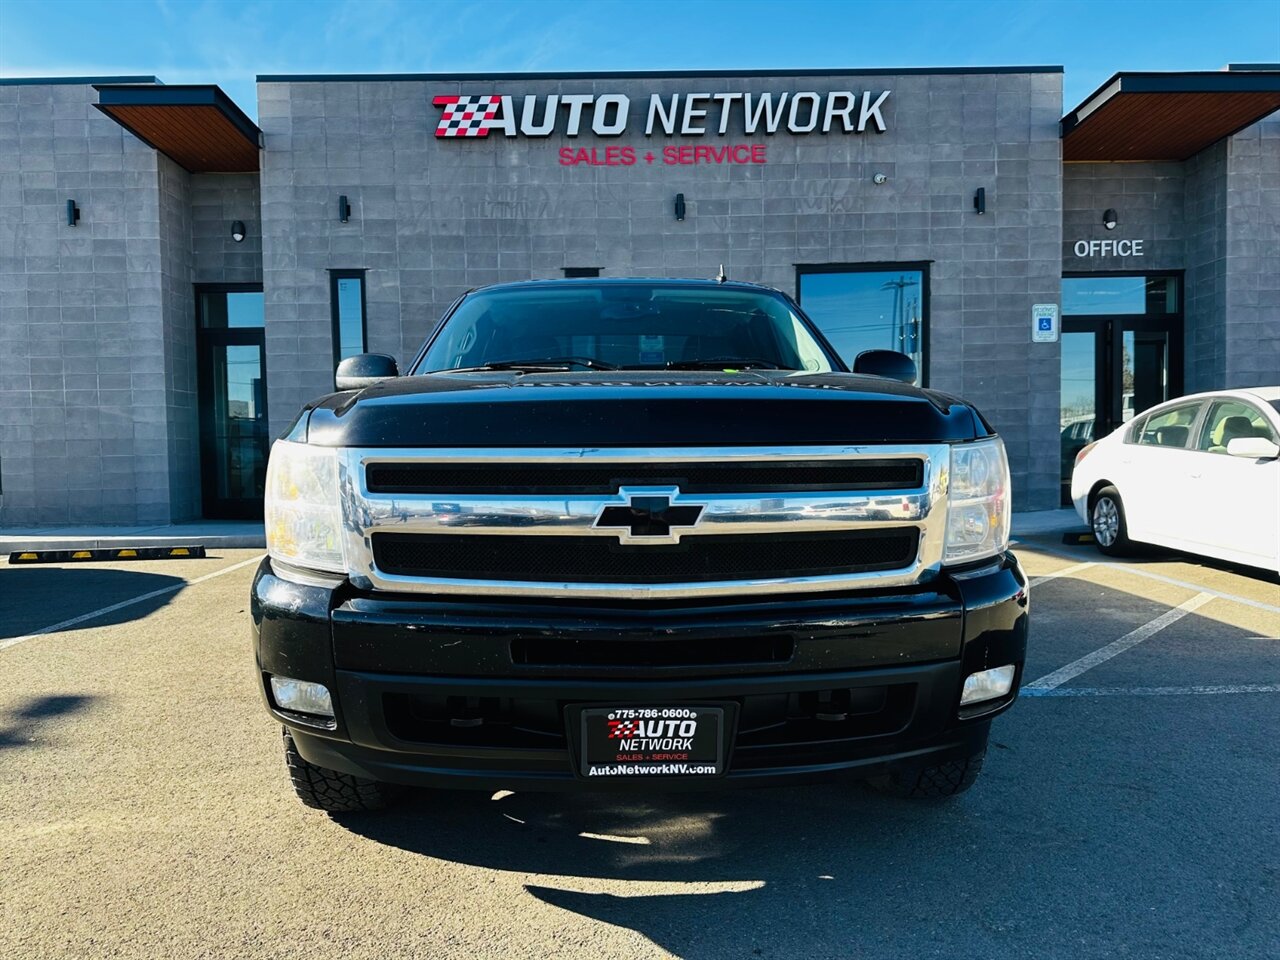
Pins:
x,y
364,370
886,363
1253,448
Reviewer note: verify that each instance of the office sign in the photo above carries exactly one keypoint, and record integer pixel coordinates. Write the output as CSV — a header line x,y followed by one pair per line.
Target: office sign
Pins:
x,y
1109,248
669,115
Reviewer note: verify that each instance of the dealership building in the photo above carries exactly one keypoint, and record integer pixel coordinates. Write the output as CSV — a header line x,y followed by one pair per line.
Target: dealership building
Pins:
x,y
176,280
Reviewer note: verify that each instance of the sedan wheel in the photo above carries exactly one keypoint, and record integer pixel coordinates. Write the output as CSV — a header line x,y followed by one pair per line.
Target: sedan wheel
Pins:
x,y
1110,532
1106,521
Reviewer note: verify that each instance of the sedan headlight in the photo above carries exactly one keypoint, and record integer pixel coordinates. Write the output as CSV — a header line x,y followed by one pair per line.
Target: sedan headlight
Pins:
x,y
301,509
977,501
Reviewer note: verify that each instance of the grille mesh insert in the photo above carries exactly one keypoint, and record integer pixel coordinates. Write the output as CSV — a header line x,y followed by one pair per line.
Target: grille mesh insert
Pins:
x,y
556,478
548,559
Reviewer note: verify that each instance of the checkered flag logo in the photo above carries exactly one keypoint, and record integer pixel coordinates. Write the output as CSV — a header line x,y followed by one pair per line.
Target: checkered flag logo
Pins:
x,y
621,729
466,116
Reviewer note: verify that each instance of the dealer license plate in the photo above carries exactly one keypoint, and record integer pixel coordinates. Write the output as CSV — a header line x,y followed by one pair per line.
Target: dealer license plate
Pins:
x,y
671,741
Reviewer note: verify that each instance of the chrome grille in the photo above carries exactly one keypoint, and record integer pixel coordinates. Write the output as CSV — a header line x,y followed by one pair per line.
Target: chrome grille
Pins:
x,y
530,522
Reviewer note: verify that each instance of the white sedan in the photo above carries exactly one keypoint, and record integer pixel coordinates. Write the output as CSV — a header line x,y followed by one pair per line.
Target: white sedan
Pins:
x,y
1200,474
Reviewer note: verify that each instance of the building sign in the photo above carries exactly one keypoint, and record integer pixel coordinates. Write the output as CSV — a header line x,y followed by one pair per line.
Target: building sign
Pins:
x,y
1044,323
1109,248
686,115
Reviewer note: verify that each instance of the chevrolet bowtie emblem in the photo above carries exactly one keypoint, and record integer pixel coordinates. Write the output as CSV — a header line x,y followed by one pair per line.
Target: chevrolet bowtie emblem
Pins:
x,y
649,515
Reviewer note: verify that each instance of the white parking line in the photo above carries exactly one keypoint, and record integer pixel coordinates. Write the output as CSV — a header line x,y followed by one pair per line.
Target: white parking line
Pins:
x,y
1152,691
1064,572
1139,572
1117,647
94,614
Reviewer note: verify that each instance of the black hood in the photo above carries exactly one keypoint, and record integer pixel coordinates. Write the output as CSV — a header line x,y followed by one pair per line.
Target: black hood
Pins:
x,y
637,409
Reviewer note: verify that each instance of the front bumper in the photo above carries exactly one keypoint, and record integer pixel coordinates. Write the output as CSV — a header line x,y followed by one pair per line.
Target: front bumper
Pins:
x,y
442,692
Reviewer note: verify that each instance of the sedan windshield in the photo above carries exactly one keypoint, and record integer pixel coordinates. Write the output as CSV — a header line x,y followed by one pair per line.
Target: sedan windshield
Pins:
x,y
626,326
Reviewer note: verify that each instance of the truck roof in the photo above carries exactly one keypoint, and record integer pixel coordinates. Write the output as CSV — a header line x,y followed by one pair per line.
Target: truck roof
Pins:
x,y
616,281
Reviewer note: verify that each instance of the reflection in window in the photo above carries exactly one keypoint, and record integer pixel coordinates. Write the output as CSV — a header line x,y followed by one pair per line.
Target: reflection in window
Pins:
x,y
861,310
1232,420
1078,413
1171,428
221,310
1144,371
346,292
239,421
1129,296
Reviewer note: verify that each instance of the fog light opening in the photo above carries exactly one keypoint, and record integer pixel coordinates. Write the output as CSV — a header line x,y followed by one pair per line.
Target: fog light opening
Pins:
x,y
302,696
987,685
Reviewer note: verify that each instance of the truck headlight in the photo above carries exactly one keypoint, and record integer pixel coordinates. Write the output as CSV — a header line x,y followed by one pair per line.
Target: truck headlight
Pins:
x,y
977,501
301,509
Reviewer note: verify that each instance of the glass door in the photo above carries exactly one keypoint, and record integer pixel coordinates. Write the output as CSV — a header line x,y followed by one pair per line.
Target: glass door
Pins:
x,y
233,401
1121,354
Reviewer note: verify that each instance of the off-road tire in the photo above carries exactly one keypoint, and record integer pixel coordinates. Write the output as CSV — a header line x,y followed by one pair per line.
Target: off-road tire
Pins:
x,y
936,782
330,790
1120,545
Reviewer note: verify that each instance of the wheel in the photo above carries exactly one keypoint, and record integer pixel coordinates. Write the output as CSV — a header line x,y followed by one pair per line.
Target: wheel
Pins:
x,y
934,782
1106,518
330,790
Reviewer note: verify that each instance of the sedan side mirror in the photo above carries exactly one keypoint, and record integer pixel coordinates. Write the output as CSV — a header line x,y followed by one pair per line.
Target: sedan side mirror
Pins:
x,y
364,370
1253,448
886,363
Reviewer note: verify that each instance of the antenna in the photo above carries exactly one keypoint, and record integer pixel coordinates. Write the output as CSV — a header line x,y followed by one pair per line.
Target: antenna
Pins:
x,y
720,277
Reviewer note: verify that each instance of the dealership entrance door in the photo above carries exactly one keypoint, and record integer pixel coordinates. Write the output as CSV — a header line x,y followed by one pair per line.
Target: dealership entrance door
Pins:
x,y
1121,353
231,364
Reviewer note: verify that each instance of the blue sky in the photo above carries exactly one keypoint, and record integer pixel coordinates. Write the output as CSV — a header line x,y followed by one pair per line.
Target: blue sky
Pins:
x,y
228,43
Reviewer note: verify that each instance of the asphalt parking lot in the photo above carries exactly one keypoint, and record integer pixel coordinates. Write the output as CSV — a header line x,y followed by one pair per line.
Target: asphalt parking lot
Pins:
x,y
1128,807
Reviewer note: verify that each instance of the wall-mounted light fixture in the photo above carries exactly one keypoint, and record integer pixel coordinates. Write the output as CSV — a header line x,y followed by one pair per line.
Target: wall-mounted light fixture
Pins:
x,y
879,179
980,200
344,209
73,213
679,206
237,231
1110,219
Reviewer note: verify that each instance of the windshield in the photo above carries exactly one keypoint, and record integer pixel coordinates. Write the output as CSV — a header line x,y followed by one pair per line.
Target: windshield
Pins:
x,y
629,326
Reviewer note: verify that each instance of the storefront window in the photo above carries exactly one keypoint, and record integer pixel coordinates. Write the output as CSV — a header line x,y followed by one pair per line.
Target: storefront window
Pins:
x,y
346,295
1110,295
878,308
229,310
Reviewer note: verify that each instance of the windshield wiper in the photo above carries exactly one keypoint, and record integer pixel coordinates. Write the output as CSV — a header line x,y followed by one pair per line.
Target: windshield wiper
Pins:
x,y
722,363
540,363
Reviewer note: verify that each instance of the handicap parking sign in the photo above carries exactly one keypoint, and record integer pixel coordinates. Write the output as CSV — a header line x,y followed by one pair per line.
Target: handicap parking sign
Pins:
x,y
1044,323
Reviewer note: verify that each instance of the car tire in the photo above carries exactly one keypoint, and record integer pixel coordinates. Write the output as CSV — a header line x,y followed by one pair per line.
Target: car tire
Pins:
x,y
330,790
934,782
1107,523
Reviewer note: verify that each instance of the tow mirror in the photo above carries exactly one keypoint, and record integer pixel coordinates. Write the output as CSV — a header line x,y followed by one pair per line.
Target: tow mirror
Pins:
x,y
364,370
1253,448
886,363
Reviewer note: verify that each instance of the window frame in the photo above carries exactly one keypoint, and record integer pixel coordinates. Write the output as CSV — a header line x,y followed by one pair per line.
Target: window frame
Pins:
x,y
923,267
1206,418
1193,428
335,318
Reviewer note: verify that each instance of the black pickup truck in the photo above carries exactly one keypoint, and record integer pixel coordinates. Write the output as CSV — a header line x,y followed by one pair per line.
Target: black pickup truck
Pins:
x,y
635,534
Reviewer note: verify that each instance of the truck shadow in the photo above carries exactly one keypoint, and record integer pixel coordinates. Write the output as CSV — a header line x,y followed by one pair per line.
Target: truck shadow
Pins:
x,y
21,725
36,596
1080,797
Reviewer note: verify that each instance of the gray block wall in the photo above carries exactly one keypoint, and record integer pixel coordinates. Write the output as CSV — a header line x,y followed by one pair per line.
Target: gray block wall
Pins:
x,y
433,217
83,413
1205,266
1251,327
98,400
